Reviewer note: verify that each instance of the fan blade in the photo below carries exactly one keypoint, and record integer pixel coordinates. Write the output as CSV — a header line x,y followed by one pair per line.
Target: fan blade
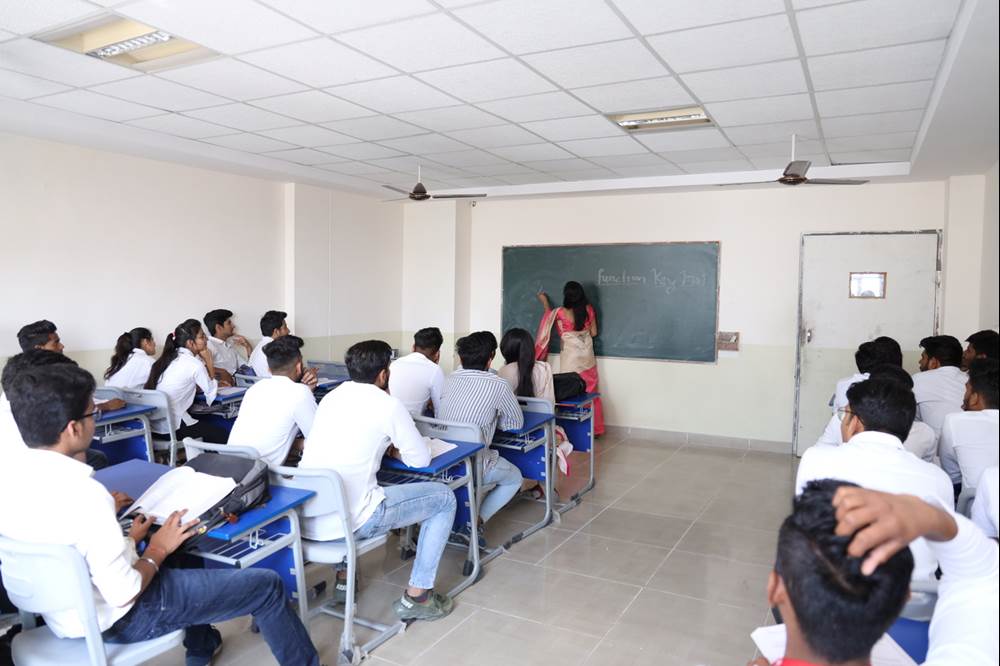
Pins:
x,y
392,200
797,168
834,181
749,182
396,189
457,196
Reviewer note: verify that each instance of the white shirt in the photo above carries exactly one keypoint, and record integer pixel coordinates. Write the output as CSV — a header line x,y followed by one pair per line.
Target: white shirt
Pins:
x,y
878,461
921,441
939,392
10,436
985,512
257,359
354,425
59,503
180,381
541,379
272,413
415,379
134,373
840,393
978,435
225,354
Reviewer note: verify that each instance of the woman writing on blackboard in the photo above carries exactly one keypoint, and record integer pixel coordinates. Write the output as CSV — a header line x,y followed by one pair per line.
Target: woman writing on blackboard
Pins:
x,y
576,324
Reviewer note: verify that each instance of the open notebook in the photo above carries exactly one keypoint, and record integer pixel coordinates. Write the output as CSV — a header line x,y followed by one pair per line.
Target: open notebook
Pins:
x,y
771,643
438,446
182,488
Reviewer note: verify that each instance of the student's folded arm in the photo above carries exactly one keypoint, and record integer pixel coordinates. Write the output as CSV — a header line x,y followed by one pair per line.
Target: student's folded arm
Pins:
x,y
511,416
208,386
305,413
412,447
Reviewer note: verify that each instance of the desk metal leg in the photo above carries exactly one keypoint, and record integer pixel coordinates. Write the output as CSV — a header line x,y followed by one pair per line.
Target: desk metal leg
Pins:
x,y
473,565
591,482
299,569
147,435
548,449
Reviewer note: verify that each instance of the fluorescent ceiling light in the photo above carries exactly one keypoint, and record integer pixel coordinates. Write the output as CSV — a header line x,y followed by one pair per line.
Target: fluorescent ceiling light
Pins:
x,y
650,121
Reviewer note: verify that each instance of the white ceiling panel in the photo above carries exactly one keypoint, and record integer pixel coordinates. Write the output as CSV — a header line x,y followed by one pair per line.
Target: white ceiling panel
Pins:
x,y
911,62
502,169
309,136
22,86
874,99
537,107
864,25
773,133
319,63
374,128
728,45
250,143
361,151
777,78
227,26
178,125
778,162
899,155
55,64
451,118
358,169
100,106
526,179
616,162
581,127
782,149
565,164
312,106
526,26
328,16
808,4
4,35
425,143
761,110
683,157
406,164
663,169
484,81
492,137
532,152
426,42
394,95
159,92
713,167
663,15
589,174
29,16
664,92
872,142
598,64
615,145
233,79
691,139
302,156
242,117
464,159
873,123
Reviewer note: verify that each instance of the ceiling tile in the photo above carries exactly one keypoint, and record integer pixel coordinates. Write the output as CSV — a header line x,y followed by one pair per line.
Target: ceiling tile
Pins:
x,y
465,159
863,25
319,63
779,162
503,168
250,143
589,174
4,35
651,17
773,133
30,16
301,156
233,79
361,151
646,95
598,64
718,167
312,106
492,137
581,127
358,169
394,95
872,142
326,16
417,44
689,139
484,81
242,117
537,107
309,136
565,164
616,162
451,118
777,78
526,179
762,110
807,4
22,86
911,62
782,149
874,99
55,64
873,123
160,93
662,169
425,143
178,125
227,26
99,106
525,26
406,164
898,155
532,152
683,157
727,45
616,145
374,128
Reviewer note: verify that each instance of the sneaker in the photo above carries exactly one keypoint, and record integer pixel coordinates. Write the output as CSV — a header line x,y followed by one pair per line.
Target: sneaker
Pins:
x,y
340,590
462,536
436,607
207,661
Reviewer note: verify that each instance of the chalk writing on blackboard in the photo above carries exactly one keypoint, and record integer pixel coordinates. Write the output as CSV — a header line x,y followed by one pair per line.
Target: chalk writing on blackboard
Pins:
x,y
669,283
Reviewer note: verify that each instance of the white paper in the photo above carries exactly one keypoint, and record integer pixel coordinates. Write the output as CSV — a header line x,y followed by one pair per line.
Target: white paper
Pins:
x,y
771,643
229,390
439,446
182,488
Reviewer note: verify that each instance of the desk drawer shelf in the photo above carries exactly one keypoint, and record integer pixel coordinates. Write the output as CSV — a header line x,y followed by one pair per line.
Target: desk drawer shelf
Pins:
x,y
245,551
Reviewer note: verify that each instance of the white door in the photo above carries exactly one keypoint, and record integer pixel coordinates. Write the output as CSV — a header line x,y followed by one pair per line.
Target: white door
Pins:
x,y
832,323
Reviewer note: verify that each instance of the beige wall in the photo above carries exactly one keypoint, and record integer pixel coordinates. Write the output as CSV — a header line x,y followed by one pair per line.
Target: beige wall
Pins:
x,y
990,295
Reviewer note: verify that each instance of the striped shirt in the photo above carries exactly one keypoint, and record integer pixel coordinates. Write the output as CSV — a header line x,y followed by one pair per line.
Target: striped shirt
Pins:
x,y
482,398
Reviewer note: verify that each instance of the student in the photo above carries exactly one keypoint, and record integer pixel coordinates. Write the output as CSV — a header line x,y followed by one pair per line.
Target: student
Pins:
x,y
272,327
225,345
893,352
473,395
875,423
940,384
136,597
842,573
41,334
983,344
355,425
184,367
275,410
135,353
417,379
526,376
976,427
868,355
985,511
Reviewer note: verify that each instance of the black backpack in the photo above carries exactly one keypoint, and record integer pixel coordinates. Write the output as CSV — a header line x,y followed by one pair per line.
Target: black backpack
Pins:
x,y
251,488
568,385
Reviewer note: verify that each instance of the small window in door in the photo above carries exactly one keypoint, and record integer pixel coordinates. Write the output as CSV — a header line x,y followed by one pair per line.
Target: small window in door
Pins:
x,y
867,285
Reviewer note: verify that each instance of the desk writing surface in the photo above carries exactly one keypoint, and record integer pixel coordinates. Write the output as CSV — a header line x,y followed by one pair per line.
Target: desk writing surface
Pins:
x,y
282,499
440,463
226,394
132,477
578,400
128,411
532,420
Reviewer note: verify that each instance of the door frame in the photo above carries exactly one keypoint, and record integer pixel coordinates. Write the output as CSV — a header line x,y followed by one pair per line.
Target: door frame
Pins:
x,y
800,333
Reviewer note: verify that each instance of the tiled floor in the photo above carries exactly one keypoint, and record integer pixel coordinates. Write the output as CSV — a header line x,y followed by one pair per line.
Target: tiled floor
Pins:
x,y
664,563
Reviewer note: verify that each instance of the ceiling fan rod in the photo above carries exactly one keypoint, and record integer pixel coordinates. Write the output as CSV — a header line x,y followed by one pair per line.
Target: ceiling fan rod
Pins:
x,y
793,147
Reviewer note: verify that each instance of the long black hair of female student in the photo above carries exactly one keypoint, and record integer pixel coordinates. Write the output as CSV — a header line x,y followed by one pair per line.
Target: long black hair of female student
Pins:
x,y
517,346
123,348
185,332
575,299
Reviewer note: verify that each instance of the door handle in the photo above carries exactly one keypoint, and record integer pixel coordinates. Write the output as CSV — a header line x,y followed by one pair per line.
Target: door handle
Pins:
x,y
807,335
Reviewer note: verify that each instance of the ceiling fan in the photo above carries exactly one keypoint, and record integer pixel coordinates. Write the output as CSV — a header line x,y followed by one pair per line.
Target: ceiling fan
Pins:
x,y
420,193
795,174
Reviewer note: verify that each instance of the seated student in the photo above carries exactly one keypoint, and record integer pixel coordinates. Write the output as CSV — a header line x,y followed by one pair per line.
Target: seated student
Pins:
x,y
868,355
417,379
977,427
983,344
940,384
272,327
184,368
41,334
355,425
842,573
137,598
875,423
135,353
275,410
526,376
985,511
473,395
225,345
891,349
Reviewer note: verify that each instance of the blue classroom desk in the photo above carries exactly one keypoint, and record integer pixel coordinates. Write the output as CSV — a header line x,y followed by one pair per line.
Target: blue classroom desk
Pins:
x,y
223,410
530,449
912,637
125,434
576,417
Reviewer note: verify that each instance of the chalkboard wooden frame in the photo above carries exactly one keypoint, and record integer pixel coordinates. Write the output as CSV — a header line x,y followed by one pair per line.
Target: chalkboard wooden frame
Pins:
x,y
718,285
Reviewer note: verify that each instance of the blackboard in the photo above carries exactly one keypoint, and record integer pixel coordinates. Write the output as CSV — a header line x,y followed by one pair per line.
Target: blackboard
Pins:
x,y
653,300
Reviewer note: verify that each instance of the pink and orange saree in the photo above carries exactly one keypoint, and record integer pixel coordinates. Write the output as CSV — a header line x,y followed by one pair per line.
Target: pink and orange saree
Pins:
x,y
576,352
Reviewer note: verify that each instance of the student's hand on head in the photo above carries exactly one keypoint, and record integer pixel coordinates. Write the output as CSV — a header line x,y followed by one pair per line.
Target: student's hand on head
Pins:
x,y
140,527
310,378
173,533
122,500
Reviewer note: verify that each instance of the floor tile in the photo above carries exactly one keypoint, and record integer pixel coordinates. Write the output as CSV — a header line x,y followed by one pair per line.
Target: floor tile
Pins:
x,y
680,497
645,528
713,579
609,559
736,543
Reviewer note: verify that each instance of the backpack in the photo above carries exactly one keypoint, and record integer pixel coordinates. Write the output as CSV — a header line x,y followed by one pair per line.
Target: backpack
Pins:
x,y
251,488
568,385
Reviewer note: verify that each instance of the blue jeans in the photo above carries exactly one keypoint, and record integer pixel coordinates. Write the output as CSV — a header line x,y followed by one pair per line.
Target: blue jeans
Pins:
x,y
508,479
191,599
428,503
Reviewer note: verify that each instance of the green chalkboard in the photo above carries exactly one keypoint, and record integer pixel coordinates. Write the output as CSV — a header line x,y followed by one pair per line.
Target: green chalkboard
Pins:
x,y
653,300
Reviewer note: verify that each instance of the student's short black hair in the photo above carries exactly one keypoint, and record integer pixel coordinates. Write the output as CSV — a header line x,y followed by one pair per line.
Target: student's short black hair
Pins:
x,y
429,339
33,358
365,360
44,399
284,352
842,612
985,342
216,318
494,345
872,353
984,377
883,405
892,372
35,334
271,320
893,352
945,348
475,350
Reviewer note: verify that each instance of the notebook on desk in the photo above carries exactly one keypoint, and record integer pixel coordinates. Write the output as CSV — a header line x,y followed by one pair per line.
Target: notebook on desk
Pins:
x,y
182,488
